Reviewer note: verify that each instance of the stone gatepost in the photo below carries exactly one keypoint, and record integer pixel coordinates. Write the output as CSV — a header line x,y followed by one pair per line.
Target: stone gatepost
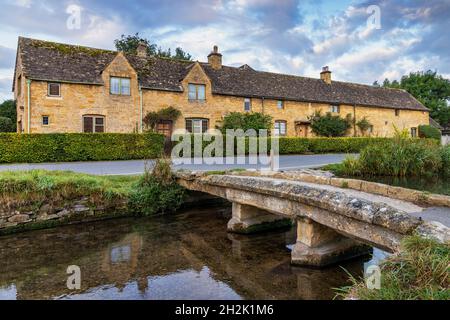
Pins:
x,y
318,245
248,219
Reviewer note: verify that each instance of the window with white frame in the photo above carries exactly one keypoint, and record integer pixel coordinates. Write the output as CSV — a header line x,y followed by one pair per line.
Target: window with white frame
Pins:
x,y
197,125
414,132
335,109
247,104
54,90
279,128
93,124
120,86
45,120
196,92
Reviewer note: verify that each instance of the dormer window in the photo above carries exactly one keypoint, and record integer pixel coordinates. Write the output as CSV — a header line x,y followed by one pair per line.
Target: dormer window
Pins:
x,y
120,86
54,90
196,92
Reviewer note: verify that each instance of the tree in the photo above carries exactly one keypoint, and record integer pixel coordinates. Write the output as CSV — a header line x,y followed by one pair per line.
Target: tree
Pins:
x,y
130,43
431,89
6,125
246,121
329,125
364,124
8,110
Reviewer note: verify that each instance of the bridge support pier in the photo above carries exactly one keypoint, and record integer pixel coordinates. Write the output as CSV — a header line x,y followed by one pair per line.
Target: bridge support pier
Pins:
x,y
248,219
318,245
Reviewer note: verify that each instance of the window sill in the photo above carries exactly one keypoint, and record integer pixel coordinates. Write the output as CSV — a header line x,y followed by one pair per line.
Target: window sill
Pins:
x,y
54,97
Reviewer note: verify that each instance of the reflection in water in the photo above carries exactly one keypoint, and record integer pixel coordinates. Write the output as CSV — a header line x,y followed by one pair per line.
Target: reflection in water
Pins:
x,y
185,256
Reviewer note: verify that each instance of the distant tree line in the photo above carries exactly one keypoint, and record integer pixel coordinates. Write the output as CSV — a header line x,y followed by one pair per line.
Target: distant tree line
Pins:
x,y
431,89
129,44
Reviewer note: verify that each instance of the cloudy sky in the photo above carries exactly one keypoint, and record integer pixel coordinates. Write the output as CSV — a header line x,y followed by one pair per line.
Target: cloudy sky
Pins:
x,y
296,37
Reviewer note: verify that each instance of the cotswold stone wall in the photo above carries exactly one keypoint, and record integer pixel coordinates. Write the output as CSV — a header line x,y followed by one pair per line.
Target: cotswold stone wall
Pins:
x,y
48,215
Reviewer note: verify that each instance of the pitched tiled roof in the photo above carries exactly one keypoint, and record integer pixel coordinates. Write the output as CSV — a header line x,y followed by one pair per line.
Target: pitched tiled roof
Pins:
x,y
44,60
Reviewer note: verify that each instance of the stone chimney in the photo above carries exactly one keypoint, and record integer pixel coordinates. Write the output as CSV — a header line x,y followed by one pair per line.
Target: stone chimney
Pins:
x,y
141,50
325,75
215,59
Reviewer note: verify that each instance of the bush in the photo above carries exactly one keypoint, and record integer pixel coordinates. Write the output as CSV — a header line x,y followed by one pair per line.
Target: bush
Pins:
x,y
6,125
156,192
429,132
398,157
329,125
66,147
246,121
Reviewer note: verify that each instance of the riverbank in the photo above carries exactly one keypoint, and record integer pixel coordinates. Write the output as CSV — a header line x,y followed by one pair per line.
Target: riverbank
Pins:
x,y
418,272
40,199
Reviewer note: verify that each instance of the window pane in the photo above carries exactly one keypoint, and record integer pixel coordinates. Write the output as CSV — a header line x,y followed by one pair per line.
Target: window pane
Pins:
x,y
204,125
53,89
201,92
125,86
189,125
88,124
280,104
99,121
115,85
197,126
192,92
247,105
99,129
282,128
45,120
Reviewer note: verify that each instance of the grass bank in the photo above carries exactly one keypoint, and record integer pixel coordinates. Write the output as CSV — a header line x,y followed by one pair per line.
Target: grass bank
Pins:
x,y
420,271
38,198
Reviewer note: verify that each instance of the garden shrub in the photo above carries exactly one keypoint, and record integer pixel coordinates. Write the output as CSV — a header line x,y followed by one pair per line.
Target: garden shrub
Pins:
x,y
156,191
430,132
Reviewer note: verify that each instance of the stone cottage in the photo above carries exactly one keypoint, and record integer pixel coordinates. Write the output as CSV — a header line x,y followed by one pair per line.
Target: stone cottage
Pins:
x,y
69,88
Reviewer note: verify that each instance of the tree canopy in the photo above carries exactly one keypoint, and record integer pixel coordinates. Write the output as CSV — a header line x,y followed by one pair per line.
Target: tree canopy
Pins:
x,y
8,111
431,89
129,44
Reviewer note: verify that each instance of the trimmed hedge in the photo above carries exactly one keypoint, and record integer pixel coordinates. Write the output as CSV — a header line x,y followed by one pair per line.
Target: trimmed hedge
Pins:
x,y
315,145
66,147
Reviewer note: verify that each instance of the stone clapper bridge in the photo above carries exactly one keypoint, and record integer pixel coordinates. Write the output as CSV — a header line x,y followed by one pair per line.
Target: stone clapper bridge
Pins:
x,y
334,221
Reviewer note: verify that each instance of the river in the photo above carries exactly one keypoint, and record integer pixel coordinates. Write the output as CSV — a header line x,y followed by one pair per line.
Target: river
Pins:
x,y
188,255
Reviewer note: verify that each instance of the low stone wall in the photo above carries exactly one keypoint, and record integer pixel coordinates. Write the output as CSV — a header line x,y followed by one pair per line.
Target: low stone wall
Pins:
x,y
48,215
327,178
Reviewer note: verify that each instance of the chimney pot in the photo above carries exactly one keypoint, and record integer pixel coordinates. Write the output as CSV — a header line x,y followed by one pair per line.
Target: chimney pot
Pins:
x,y
325,75
215,58
142,49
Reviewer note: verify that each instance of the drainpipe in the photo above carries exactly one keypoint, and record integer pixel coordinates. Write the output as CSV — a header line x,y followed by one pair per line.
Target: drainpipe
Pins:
x,y
29,104
262,105
141,102
354,120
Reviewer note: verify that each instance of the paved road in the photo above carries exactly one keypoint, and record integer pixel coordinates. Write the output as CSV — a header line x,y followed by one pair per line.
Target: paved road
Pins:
x,y
133,167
